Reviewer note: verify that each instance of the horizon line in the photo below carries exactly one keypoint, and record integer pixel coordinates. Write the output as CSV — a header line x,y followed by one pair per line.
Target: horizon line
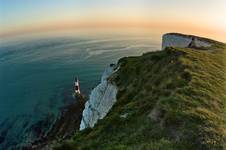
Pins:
x,y
155,26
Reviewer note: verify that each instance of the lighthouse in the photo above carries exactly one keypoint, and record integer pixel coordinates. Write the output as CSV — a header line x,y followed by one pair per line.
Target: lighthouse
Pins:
x,y
77,87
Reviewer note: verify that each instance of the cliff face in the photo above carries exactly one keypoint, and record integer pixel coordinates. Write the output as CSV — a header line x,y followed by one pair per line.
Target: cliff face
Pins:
x,y
100,101
183,41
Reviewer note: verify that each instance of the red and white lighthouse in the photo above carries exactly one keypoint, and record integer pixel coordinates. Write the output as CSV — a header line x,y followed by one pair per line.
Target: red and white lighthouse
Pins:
x,y
77,86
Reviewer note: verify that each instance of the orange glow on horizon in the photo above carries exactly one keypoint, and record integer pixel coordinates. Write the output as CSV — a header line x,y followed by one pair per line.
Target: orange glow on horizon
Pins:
x,y
157,26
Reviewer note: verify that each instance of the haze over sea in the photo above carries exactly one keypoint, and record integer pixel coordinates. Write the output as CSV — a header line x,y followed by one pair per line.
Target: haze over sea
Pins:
x,y
37,74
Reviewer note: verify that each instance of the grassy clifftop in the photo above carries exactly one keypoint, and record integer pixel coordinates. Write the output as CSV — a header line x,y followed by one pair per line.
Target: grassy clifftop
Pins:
x,y
170,100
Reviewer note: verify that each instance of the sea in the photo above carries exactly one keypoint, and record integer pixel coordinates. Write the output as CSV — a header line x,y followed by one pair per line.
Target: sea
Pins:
x,y
37,72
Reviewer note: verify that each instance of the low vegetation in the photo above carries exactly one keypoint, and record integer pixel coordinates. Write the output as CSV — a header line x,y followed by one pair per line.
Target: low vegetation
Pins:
x,y
167,100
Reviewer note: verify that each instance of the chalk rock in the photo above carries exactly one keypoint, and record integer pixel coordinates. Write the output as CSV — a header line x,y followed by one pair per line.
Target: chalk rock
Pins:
x,y
100,100
183,41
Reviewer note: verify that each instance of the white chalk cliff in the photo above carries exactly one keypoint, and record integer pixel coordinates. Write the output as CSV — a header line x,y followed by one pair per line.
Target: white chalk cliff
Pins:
x,y
100,101
182,41
103,97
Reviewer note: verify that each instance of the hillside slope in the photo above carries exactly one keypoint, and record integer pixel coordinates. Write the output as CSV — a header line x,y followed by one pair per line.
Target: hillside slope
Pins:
x,y
172,99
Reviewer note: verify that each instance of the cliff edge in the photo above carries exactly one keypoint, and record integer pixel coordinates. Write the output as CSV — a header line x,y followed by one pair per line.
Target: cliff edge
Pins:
x,y
100,100
171,99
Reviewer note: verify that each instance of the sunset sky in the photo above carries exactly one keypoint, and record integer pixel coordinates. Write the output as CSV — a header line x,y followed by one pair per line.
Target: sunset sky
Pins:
x,y
203,17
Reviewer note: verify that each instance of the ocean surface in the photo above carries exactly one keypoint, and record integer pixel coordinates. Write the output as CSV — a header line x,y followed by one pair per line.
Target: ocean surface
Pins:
x,y
37,74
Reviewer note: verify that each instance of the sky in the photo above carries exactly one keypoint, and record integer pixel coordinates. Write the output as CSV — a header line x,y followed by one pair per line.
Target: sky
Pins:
x,y
202,17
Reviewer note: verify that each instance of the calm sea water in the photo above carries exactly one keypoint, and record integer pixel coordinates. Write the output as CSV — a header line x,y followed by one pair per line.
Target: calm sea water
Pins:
x,y
36,75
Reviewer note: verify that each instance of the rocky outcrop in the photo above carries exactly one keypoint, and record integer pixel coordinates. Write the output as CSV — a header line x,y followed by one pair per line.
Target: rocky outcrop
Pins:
x,y
183,41
64,127
100,100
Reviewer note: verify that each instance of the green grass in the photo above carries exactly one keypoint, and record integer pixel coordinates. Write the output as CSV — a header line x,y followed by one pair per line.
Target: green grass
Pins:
x,y
175,99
